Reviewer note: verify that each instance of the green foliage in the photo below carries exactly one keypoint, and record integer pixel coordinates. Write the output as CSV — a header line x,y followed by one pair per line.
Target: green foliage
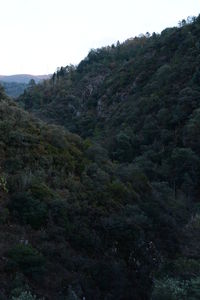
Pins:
x,y
116,215
3,184
25,296
194,289
14,89
4,215
170,289
29,210
26,259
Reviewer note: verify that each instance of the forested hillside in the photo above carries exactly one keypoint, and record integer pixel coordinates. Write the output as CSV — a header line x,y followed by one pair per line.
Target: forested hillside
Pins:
x,y
111,210
73,224
14,85
13,89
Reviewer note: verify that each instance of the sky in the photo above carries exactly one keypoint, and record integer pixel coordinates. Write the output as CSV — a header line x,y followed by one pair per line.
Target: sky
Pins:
x,y
37,36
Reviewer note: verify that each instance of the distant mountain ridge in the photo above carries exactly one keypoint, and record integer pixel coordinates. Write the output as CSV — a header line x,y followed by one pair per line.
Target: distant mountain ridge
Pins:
x,y
15,85
23,78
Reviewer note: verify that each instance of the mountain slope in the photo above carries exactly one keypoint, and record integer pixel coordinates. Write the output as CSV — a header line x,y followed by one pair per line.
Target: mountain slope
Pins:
x,y
138,99
114,216
72,223
102,84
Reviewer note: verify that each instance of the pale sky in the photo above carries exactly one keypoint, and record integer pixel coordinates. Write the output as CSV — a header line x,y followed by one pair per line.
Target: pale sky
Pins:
x,y
37,36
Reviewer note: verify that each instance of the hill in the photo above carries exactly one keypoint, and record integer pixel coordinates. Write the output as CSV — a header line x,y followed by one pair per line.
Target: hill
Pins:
x,y
13,89
14,85
23,78
113,214
73,224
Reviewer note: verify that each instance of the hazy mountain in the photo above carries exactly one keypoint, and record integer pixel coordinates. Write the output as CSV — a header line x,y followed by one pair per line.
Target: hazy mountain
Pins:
x,y
15,85
23,78
13,89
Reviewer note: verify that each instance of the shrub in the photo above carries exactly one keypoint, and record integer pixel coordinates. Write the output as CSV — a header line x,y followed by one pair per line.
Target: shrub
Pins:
x,y
29,210
170,289
26,259
25,296
194,289
4,215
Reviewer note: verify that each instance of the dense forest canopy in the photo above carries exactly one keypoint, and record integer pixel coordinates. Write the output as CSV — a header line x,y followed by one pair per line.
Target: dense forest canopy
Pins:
x,y
99,177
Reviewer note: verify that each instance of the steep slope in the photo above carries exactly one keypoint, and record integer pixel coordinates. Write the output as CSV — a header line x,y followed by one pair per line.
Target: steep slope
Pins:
x,y
132,208
72,223
140,100
98,89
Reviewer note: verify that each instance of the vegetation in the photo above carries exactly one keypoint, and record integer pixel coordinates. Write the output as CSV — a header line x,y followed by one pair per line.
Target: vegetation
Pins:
x,y
111,210
15,85
14,89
